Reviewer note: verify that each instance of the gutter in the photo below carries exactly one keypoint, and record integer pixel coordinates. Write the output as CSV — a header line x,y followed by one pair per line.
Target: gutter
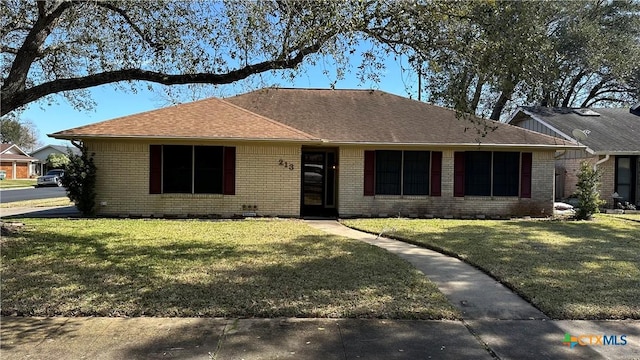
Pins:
x,y
605,158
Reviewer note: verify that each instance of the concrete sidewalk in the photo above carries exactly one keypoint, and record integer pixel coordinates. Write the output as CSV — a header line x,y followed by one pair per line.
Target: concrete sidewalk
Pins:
x,y
41,212
206,338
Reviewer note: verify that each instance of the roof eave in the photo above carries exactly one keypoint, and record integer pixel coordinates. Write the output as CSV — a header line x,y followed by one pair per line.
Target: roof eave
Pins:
x,y
194,138
461,145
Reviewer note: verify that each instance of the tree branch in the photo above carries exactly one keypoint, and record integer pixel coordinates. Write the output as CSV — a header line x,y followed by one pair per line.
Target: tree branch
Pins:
x,y
123,14
11,101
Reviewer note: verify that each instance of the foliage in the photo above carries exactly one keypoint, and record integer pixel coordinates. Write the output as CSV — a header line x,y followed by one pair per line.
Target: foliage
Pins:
x,y
587,192
57,161
22,133
251,268
80,181
484,57
568,269
52,47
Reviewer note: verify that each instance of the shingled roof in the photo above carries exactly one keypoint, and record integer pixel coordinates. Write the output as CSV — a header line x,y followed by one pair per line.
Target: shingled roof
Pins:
x,y
377,117
609,130
205,119
315,115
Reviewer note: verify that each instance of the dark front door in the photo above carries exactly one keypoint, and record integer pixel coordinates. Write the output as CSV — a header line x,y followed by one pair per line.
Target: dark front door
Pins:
x,y
318,183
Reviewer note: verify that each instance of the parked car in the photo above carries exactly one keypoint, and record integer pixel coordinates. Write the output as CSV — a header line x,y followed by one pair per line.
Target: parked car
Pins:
x,y
51,178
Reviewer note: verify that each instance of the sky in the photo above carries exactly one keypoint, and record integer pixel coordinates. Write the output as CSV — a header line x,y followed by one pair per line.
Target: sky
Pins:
x,y
112,102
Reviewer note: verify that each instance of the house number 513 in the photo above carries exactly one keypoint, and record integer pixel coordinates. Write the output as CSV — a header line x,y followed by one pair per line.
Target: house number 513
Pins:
x,y
286,165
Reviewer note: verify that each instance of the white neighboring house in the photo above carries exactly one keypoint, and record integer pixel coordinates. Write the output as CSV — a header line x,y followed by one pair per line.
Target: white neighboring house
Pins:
x,y
43,153
16,163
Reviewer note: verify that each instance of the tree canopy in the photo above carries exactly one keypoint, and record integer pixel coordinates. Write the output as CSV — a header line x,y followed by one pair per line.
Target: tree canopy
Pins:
x,y
52,47
21,133
481,57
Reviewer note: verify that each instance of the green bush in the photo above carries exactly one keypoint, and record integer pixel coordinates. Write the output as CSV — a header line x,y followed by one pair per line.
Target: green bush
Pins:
x,y
588,195
80,181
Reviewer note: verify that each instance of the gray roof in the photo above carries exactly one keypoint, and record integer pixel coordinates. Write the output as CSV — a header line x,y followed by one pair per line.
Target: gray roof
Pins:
x,y
60,148
377,117
614,131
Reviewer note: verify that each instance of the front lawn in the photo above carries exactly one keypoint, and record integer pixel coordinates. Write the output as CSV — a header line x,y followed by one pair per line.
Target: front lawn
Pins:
x,y
569,269
262,268
10,183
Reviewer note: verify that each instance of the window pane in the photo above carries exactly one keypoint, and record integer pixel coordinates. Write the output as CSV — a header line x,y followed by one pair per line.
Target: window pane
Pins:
x,y
623,178
477,179
388,166
176,168
506,173
208,170
416,173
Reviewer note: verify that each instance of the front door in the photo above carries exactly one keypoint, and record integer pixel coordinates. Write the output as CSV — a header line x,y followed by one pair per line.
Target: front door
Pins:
x,y
318,183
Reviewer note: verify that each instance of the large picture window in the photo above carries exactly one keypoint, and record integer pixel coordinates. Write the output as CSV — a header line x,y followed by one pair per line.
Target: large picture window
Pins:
x,y
486,173
192,169
402,172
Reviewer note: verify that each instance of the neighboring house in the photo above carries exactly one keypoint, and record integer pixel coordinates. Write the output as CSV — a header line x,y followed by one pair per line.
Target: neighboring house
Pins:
x,y
612,140
43,153
300,152
15,162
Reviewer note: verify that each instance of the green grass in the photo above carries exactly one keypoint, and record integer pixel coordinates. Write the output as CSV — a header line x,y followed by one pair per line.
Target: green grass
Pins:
x,y
59,201
261,268
568,269
9,183
634,217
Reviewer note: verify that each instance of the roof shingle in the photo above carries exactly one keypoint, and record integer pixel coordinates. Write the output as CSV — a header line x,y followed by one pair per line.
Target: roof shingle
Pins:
x,y
616,129
205,119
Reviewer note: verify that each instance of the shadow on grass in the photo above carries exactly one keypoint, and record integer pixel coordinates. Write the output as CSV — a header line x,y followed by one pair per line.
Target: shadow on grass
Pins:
x,y
47,274
567,269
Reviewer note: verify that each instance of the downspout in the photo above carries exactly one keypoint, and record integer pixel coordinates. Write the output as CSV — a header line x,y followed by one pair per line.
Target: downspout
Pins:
x,y
604,159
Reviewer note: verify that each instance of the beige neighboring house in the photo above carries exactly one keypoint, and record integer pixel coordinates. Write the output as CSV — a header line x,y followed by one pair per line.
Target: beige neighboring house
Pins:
x,y
308,152
612,140
15,162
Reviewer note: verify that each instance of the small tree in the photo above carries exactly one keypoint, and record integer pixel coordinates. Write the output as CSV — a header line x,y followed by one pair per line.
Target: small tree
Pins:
x,y
80,181
588,195
57,161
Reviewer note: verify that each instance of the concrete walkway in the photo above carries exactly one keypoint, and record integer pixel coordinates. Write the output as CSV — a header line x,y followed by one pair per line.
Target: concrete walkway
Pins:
x,y
508,325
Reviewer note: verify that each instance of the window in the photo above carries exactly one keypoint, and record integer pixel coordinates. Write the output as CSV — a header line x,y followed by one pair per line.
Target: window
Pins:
x,y
192,169
415,174
486,173
477,173
402,172
505,173
388,170
624,177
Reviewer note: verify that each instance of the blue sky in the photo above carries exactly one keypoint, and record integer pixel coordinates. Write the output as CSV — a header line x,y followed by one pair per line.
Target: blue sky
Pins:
x,y
112,102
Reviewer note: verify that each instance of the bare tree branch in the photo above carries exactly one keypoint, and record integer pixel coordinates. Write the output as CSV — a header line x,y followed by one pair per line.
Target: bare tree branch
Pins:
x,y
23,97
136,28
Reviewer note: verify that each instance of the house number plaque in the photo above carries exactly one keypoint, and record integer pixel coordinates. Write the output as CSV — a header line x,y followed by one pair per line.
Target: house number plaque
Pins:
x,y
286,165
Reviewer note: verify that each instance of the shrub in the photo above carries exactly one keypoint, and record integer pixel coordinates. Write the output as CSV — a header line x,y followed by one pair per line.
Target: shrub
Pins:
x,y
588,195
80,181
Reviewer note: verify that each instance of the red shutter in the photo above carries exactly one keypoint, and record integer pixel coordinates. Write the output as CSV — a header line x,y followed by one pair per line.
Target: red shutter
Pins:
x,y
229,171
369,173
155,169
436,173
525,175
458,174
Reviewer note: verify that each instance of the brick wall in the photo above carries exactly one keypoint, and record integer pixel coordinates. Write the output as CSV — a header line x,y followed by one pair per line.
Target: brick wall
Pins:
x,y
352,202
571,168
262,186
